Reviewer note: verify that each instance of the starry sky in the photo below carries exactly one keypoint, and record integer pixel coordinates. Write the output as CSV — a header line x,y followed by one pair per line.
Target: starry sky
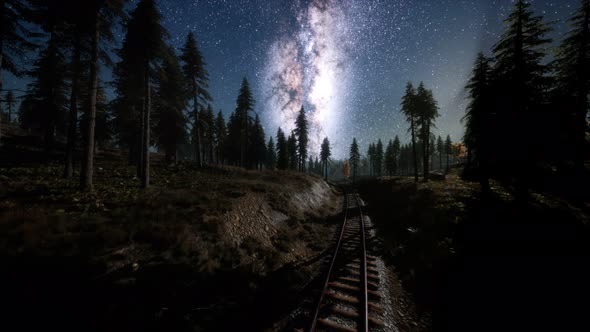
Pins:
x,y
346,61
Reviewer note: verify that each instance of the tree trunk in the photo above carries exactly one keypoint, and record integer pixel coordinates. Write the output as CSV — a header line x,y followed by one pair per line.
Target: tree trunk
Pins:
x,y
426,150
145,180
89,160
73,121
9,112
198,147
415,152
86,176
140,142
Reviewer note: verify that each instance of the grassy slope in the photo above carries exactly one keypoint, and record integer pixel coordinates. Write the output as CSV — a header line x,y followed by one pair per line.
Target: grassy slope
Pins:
x,y
482,264
120,258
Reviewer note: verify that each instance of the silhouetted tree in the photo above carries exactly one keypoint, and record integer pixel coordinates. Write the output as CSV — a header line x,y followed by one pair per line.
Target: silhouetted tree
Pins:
x,y
396,154
426,113
378,162
282,150
48,87
258,147
104,14
371,158
198,77
244,105
354,158
15,39
325,154
448,150
292,149
271,155
10,100
220,137
409,110
573,83
478,117
389,159
170,105
302,133
440,148
520,85
207,131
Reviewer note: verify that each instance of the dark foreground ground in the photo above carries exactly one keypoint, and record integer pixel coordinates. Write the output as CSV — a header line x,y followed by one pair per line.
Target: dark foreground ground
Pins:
x,y
486,264
166,259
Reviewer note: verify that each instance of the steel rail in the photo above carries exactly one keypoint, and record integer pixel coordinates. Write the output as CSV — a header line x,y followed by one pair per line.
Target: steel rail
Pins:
x,y
329,275
364,314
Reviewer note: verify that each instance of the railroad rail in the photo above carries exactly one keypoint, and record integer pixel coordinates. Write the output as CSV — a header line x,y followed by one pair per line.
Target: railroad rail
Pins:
x,y
348,299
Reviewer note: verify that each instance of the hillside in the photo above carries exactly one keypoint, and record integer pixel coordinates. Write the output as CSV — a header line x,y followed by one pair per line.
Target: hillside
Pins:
x,y
199,247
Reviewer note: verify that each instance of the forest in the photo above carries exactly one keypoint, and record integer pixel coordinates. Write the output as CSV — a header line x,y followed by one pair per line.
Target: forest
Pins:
x,y
129,198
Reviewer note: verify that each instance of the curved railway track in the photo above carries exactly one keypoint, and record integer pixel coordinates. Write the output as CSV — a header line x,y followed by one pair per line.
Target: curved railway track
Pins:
x,y
348,299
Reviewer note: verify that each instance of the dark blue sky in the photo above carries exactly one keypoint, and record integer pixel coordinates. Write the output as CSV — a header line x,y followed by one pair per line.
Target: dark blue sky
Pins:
x,y
346,61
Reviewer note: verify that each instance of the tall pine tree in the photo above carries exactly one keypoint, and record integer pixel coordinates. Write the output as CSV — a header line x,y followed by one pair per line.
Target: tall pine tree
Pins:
x,y
198,82
104,14
573,78
354,158
302,133
478,118
409,111
170,105
520,86
325,154
282,150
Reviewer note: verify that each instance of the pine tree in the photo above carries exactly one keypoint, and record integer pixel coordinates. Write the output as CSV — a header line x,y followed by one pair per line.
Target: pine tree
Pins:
x,y
146,36
170,105
104,14
371,158
77,33
396,155
10,100
15,36
440,148
258,147
220,137
573,82
520,86
282,151
478,118
409,110
325,154
379,158
354,158
244,106
389,159
271,155
207,131
448,150
198,77
426,112
302,133
48,87
292,149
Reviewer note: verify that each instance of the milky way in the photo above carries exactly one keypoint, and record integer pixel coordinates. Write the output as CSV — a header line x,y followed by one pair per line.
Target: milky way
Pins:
x,y
309,68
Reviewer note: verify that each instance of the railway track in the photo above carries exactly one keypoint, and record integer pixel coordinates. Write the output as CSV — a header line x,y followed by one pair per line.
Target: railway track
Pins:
x,y
350,295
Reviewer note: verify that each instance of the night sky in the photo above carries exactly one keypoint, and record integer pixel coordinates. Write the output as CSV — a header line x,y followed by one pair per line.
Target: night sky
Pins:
x,y
346,61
